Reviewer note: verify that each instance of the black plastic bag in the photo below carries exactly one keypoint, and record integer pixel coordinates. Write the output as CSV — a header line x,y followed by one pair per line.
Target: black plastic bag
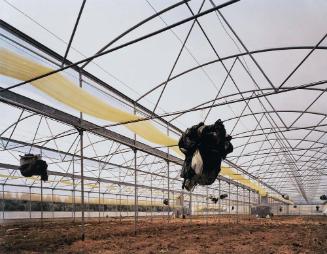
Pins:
x,y
31,165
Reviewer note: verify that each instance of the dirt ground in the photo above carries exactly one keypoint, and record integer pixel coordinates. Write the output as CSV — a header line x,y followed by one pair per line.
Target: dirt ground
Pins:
x,y
219,235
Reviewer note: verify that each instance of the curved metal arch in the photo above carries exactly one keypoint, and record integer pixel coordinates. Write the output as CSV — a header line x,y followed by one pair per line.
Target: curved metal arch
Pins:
x,y
311,128
277,111
317,160
273,139
13,124
144,21
270,90
279,164
231,57
275,155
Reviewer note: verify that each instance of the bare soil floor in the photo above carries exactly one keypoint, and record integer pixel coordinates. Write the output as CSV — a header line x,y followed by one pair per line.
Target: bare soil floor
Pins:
x,y
220,235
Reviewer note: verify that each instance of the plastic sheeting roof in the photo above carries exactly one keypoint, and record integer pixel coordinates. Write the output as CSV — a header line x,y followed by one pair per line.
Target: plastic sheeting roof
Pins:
x,y
271,100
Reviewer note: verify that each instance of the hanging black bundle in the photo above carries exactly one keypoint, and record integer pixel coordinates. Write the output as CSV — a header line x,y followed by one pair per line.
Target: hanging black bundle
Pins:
x,y
31,165
165,201
317,208
223,196
204,146
213,199
323,197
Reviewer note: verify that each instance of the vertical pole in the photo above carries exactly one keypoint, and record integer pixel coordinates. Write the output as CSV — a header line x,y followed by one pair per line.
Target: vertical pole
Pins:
x,y
228,202
237,204
243,204
136,208
82,183
99,201
173,201
168,179
119,198
52,204
41,203
190,207
151,197
219,200
82,165
116,202
249,204
135,195
207,206
88,205
119,201
73,191
73,207
30,202
3,202
103,205
168,190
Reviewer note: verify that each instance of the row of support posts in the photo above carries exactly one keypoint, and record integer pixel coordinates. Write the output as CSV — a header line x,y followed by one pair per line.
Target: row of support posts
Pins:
x,y
136,196
239,200
136,208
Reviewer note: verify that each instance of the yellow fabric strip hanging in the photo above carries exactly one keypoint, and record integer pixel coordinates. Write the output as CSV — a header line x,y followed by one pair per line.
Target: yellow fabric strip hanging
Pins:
x,y
63,90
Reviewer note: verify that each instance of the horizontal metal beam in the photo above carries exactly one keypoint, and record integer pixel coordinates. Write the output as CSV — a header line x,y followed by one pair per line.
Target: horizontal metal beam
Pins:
x,y
42,109
101,180
20,101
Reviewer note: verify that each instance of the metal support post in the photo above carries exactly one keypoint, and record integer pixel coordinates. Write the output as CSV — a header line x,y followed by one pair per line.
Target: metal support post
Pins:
x,y
219,200
3,202
73,191
41,203
243,205
119,202
249,204
119,198
151,198
190,207
88,205
82,183
135,195
229,203
103,206
207,205
237,204
82,166
99,201
30,202
52,204
168,190
73,207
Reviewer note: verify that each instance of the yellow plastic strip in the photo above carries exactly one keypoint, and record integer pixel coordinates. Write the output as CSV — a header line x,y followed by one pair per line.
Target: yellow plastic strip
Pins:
x,y
225,171
64,90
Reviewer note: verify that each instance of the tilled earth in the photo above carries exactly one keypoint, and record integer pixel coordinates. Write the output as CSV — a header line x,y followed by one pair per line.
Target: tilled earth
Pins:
x,y
216,235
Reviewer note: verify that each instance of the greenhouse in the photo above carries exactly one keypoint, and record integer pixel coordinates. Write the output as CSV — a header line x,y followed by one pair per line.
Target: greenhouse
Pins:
x,y
96,95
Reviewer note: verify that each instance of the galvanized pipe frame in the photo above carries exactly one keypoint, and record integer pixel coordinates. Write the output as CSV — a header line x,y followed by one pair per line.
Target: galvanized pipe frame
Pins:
x,y
233,81
228,71
290,154
23,102
12,98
